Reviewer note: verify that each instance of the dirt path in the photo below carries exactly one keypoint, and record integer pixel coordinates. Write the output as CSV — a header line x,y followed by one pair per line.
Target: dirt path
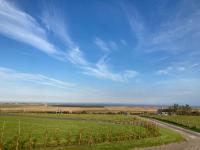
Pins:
x,y
192,139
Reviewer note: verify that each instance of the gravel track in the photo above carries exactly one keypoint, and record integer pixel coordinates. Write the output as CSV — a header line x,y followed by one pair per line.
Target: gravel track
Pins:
x,y
192,138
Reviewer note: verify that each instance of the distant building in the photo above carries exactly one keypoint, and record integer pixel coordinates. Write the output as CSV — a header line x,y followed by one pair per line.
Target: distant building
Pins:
x,y
163,111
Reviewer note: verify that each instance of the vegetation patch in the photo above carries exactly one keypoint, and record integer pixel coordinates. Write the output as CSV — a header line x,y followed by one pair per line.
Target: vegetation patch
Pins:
x,y
82,132
185,121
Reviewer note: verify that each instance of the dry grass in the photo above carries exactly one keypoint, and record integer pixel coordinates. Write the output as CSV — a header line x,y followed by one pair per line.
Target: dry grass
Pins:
x,y
45,108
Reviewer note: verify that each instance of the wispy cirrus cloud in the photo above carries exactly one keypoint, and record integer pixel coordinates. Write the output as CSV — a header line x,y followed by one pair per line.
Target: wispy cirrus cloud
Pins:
x,y
20,86
180,32
175,37
135,21
10,75
177,33
17,86
101,70
165,71
105,46
101,44
17,24
21,26
77,57
113,45
178,68
54,21
171,70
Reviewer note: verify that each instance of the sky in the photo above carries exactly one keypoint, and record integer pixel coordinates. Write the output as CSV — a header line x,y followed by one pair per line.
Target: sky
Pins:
x,y
100,51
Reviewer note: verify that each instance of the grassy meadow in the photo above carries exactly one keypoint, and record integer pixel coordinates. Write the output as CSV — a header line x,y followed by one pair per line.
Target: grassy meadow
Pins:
x,y
186,121
79,131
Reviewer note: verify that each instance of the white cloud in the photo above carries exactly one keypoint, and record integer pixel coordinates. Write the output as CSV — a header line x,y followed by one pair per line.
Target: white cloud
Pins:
x,y
27,87
165,71
195,65
19,25
130,74
9,75
54,20
177,68
101,44
105,46
113,45
174,34
181,68
135,21
100,69
77,57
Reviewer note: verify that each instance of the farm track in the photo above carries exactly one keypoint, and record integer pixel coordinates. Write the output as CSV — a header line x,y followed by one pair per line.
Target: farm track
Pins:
x,y
192,138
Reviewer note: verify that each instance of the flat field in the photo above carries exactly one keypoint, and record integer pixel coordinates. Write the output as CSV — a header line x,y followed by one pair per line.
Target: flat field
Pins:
x,y
74,109
79,131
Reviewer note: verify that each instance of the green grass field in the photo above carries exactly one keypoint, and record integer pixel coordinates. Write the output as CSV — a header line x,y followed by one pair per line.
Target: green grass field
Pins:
x,y
189,122
60,132
98,117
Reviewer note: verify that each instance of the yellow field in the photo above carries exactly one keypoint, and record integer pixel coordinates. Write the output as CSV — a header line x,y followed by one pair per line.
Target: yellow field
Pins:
x,y
70,109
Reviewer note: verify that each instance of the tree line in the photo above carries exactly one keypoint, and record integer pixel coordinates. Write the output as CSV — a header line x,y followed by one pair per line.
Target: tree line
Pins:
x,y
179,110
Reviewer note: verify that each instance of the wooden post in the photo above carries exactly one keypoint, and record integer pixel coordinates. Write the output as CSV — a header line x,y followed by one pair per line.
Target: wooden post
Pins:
x,y
18,136
2,134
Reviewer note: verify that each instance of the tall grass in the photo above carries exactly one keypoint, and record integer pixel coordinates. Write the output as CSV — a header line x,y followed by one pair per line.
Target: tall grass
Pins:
x,y
190,122
140,129
2,134
69,139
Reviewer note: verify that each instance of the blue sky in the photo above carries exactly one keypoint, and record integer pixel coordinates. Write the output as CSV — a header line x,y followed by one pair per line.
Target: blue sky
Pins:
x,y
138,51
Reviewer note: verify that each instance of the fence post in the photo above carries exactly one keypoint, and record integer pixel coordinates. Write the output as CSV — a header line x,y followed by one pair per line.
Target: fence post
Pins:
x,y
18,136
2,134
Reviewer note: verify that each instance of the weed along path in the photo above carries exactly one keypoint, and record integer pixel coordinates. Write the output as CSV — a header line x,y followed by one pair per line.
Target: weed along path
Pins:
x,y
192,139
